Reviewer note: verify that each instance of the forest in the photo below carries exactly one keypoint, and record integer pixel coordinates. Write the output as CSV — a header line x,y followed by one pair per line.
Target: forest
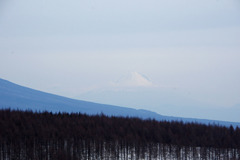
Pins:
x,y
28,135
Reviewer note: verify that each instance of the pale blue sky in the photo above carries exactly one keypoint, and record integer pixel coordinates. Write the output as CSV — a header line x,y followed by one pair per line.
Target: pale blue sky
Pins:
x,y
190,49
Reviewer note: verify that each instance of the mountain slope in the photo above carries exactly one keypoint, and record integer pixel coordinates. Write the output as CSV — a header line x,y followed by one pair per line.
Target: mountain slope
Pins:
x,y
18,97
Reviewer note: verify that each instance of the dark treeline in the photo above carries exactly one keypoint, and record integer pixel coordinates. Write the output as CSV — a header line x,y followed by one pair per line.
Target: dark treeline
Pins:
x,y
30,135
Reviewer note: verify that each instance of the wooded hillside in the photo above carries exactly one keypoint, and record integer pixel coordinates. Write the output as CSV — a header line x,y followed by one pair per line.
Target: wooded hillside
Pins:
x,y
29,135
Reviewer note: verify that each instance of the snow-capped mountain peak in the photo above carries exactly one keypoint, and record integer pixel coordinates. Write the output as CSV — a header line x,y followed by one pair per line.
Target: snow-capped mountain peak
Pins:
x,y
134,79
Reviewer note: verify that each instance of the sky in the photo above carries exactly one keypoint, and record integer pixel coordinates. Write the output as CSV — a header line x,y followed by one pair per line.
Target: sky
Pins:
x,y
177,58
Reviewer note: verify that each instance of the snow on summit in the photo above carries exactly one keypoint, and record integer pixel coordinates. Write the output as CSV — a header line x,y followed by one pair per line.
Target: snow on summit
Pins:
x,y
134,79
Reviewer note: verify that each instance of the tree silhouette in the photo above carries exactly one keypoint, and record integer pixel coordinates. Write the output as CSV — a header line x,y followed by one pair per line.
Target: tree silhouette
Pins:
x,y
44,135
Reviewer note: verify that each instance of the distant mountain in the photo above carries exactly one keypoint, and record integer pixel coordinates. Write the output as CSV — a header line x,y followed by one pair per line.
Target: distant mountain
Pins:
x,y
134,79
18,97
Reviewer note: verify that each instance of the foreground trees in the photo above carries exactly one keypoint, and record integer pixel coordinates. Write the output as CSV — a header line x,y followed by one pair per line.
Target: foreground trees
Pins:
x,y
47,136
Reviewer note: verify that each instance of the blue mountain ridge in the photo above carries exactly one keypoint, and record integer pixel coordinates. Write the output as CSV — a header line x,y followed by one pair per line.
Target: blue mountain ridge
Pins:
x,y
14,96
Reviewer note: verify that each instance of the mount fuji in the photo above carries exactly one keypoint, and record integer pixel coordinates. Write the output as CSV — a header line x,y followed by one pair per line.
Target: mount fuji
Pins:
x,y
134,79
14,96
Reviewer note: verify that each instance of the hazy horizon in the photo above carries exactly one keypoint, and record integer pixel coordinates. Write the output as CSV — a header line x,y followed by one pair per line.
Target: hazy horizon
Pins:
x,y
176,58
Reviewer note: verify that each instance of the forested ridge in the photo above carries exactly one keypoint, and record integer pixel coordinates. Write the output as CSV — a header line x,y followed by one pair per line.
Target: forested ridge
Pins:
x,y
32,135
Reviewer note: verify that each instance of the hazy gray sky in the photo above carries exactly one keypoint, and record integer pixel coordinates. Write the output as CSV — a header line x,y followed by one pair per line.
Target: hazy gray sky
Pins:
x,y
189,49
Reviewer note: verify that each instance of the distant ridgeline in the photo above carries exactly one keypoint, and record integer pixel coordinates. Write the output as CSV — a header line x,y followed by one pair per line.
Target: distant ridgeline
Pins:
x,y
28,135
18,97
